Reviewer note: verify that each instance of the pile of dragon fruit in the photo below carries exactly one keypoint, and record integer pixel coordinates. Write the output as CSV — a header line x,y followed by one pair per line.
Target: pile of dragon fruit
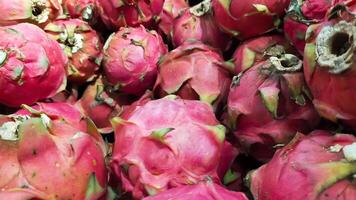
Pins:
x,y
177,100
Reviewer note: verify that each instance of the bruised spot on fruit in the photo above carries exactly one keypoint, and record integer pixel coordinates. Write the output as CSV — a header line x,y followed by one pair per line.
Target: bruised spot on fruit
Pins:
x,y
335,46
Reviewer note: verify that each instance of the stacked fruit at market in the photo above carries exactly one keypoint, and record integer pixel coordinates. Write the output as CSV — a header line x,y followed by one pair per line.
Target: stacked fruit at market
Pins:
x,y
178,99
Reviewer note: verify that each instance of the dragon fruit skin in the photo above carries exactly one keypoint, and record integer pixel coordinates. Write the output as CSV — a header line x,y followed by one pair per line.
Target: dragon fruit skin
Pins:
x,y
246,19
228,155
81,44
37,12
132,13
171,10
201,191
50,152
57,110
183,134
32,65
302,14
273,107
193,71
85,10
319,165
329,68
316,9
229,171
66,96
295,32
197,23
100,105
255,50
136,69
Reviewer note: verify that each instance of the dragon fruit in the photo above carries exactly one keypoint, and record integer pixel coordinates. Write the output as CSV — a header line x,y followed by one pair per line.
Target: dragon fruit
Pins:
x,y
56,110
38,12
229,171
44,149
117,14
101,105
258,49
294,32
171,10
246,19
330,67
201,191
183,135
32,66
66,96
269,103
320,166
197,23
193,71
81,44
83,9
135,70
312,10
228,156
300,15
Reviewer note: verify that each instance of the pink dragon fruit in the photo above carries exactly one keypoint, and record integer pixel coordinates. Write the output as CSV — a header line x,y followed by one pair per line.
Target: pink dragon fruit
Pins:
x,y
256,50
65,111
135,70
82,9
330,67
229,171
183,135
38,12
228,155
117,14
295,32
32,66
101,105
66,96
81,44
246,19
193,71
171,10
46,154
314,10
320,166
201,191
269,103
300,15
197,23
